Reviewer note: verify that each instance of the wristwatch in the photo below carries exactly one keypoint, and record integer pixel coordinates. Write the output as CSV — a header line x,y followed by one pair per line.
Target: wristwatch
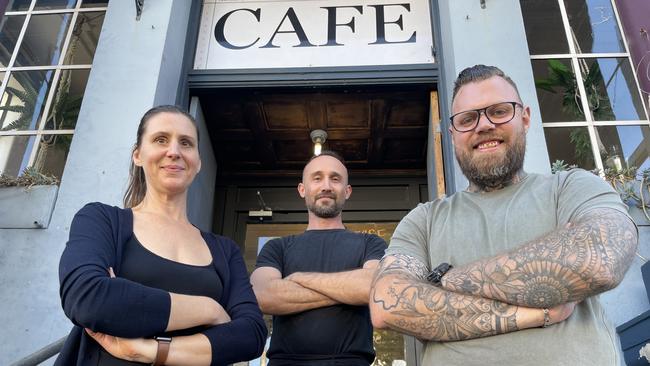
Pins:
x,y
163,350
435,276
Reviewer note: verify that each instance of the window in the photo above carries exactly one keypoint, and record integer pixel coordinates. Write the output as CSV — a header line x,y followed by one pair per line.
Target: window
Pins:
x,y
46,53
591,105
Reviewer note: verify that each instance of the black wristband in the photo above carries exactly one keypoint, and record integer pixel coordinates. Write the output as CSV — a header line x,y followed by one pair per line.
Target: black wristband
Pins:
x,y
435,276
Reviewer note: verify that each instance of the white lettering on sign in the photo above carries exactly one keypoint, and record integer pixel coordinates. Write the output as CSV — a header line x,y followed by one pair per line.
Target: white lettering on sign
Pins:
x,y
265,34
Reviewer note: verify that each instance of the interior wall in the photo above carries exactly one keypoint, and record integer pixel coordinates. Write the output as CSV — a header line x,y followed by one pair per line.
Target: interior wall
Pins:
x,y
372,199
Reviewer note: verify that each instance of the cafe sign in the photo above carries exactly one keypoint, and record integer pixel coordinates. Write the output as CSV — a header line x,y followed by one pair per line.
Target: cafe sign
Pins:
x,y
306,33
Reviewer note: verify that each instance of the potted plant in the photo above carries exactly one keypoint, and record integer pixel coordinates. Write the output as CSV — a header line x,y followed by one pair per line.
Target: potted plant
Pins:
x,y
27,200
634,188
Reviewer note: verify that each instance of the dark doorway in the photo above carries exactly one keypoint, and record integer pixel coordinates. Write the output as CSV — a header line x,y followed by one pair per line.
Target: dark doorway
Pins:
x,y
261,141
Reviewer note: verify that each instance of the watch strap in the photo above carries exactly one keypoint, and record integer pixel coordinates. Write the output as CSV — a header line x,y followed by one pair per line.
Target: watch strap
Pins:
x,y
435,276
163,350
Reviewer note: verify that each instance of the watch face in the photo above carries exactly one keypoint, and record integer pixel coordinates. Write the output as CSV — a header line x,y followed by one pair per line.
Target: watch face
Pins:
x,y
434,276
163,339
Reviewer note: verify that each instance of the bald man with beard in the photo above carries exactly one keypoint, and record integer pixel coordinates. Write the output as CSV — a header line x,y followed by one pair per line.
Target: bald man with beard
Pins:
x,y
316,284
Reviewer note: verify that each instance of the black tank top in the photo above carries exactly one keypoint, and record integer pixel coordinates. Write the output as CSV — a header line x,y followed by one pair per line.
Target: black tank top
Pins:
x,y
145,267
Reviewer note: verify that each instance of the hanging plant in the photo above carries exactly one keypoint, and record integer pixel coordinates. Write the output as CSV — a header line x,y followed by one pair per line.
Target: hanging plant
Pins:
x,y
562,79
28,98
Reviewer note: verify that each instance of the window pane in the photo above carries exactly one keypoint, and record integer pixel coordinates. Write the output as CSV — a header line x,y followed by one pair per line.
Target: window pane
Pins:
x,y
559,99
594,26
14,153
24,99
84,38
65,106
18,5
544,29
52,153
54,4
625,146
570,144
9,31
611,89
94,3
43,40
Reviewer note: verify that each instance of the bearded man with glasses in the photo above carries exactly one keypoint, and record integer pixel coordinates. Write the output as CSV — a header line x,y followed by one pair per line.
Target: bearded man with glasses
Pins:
x,y
507,271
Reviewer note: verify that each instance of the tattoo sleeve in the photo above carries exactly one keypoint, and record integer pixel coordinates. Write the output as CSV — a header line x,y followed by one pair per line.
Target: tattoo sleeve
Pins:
x,y
586,258
400,299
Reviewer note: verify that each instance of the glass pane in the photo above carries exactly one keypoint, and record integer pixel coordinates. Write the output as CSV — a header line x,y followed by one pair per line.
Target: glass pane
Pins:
x,y
544,28
94,3
52,153
54,4
43,40
570,144
14,154
18,5
558,96
625,146
65,106
594,26
9,31
611,89
84,38
24,99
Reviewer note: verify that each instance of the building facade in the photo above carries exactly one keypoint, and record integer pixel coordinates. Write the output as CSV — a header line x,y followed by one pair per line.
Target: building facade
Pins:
x,y
259,76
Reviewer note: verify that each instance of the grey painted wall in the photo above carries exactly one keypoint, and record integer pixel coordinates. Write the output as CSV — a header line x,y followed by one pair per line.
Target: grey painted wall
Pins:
x,y
137,64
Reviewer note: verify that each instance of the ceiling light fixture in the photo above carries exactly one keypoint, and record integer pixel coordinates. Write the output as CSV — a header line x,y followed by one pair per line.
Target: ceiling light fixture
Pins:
x,y
318,137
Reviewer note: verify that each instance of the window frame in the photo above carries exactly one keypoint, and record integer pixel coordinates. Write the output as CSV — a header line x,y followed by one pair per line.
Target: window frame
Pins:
x,y
40,130
574,57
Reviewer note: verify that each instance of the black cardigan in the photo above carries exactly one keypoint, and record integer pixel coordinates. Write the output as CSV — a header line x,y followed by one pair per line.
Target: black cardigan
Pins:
x,y
119,307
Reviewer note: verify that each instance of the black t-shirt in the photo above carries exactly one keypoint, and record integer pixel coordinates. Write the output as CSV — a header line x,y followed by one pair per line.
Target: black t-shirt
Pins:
x,y
147,268
339,334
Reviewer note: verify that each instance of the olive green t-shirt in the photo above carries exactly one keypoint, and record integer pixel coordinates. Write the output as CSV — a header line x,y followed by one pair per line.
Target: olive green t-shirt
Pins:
x,y
468,226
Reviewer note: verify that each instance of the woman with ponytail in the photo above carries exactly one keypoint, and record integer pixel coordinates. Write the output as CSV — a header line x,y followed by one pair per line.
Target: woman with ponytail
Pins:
x,y
142,284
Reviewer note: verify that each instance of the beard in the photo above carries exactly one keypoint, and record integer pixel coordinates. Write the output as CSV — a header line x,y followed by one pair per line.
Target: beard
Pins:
x,y
325,211
492,173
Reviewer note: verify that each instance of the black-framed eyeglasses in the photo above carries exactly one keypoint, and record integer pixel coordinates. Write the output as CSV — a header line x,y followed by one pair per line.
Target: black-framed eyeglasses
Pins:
x,y
498,114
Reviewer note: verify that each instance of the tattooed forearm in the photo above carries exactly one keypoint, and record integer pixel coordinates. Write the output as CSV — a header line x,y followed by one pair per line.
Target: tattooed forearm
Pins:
x,y
587,258
407,263
402,301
